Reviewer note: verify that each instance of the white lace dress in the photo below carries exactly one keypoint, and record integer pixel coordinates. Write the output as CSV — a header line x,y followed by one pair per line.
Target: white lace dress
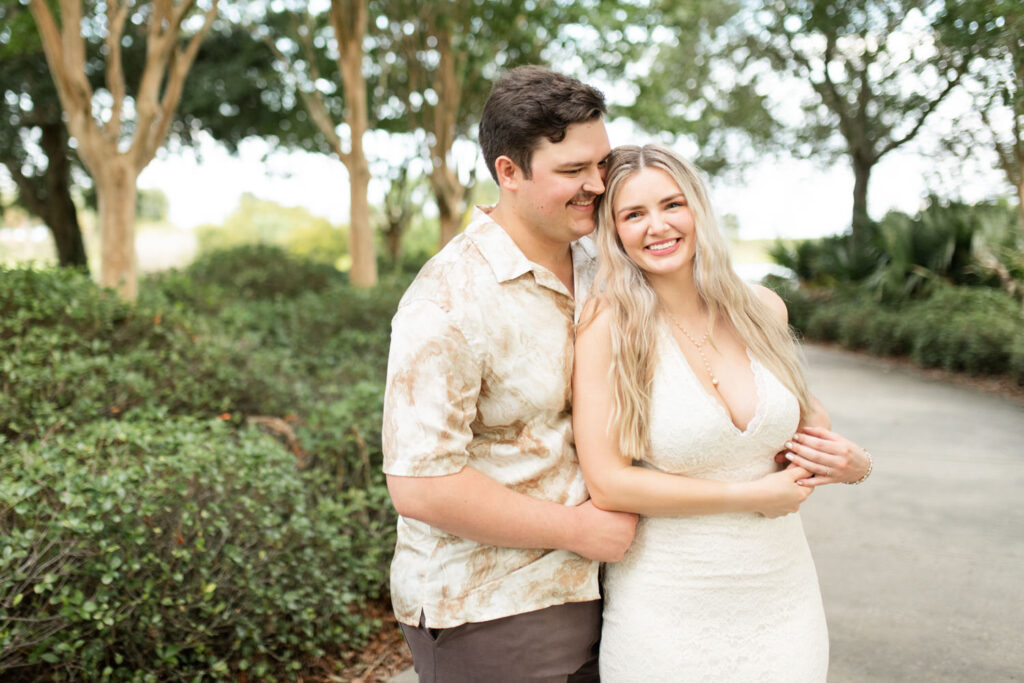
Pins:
x,y
728,598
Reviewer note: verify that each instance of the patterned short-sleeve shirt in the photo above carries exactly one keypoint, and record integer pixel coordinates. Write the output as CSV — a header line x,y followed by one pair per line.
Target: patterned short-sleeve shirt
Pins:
x,y
480,374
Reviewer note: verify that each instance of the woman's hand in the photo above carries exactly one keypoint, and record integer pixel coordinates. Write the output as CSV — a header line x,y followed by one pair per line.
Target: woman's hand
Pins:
x,y
831,458
779,494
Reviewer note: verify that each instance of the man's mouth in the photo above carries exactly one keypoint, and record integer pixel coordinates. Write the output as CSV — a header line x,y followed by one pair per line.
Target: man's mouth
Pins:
x,y
583,203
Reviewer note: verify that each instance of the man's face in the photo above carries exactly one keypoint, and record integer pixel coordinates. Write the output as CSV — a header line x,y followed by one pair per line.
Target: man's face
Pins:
x,y
557,201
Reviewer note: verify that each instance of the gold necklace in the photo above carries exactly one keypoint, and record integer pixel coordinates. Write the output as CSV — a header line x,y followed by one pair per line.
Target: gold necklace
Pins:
x,y
700,349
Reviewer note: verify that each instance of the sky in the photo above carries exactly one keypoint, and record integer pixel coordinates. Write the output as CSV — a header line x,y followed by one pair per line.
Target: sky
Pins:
x,y
778,198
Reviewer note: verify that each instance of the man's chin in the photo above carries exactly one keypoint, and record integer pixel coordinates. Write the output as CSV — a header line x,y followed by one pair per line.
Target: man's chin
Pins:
x,y
584,228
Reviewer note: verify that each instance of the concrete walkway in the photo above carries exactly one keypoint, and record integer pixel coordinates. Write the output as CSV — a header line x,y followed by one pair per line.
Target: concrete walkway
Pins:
x,y
921,567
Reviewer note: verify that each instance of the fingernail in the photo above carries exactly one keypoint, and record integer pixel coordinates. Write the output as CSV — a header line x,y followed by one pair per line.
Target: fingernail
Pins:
x,y
796,437
789,445
789,456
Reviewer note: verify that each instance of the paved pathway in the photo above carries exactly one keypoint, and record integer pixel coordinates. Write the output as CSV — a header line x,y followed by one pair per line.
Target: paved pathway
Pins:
x,y
921,567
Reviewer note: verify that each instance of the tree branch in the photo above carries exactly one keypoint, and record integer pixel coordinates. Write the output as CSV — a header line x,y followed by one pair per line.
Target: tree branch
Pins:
x,y
929,108
65,54
116,17
181,62
314,103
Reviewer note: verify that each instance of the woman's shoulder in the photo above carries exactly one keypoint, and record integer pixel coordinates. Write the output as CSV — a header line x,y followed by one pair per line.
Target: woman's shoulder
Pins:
x,y
596,315
772,301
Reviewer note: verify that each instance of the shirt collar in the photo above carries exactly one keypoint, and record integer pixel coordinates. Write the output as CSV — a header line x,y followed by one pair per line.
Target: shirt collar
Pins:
x,y
507,260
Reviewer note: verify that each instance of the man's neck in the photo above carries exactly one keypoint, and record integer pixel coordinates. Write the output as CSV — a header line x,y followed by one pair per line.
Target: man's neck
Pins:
x,y
554,255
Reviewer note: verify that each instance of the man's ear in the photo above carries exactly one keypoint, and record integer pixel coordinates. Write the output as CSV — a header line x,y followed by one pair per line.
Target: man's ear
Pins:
x,y
508,172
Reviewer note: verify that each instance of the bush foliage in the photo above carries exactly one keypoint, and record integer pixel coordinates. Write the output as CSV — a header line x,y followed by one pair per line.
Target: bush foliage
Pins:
x,y
943,287
976,330
190,485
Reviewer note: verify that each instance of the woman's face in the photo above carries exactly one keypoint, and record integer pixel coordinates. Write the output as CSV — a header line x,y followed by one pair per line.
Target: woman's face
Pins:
x,y
654,223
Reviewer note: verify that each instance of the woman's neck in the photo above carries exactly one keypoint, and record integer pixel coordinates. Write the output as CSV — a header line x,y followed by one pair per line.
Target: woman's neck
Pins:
x,y
679,298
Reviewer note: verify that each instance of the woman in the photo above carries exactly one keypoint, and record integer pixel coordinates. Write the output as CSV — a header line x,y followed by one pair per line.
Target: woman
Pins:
x,y
686,370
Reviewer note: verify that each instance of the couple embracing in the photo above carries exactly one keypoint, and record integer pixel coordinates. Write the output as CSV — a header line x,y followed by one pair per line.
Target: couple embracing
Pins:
x,y
517,470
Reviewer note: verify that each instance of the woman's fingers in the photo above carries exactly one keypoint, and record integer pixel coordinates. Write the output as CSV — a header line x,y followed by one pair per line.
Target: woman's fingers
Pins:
x,y
834,446
821,432
817,463
819,456
821,473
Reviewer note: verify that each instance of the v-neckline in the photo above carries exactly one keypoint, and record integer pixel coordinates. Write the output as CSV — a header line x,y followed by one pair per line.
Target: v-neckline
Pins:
x,y
723,409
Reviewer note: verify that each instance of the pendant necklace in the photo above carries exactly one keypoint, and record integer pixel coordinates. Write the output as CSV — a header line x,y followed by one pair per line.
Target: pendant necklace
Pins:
x,y
700,349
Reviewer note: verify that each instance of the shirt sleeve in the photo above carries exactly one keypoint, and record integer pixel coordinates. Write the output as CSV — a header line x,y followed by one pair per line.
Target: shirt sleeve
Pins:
x,y
433,383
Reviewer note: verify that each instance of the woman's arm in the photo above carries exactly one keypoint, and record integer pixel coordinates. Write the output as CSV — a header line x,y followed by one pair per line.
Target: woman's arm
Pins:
x,y
616,484
831,458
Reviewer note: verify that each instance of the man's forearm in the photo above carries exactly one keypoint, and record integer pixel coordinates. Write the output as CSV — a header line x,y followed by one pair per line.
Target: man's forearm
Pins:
x,y
471,505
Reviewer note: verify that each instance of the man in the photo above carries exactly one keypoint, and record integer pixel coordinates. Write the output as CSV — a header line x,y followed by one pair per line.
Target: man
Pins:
x,y
495,571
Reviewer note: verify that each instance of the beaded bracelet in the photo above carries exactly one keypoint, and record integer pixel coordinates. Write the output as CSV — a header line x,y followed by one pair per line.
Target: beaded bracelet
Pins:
x,y
866,474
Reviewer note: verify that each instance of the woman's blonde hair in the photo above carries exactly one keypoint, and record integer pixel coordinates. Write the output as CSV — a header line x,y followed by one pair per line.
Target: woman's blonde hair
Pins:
x,y
635,308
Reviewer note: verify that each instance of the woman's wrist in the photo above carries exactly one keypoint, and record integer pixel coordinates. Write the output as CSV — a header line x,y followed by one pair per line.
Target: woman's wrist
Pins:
x,y
867,472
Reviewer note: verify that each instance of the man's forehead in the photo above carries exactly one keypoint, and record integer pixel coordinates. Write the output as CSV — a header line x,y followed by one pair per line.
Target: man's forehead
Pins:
x,y
585,142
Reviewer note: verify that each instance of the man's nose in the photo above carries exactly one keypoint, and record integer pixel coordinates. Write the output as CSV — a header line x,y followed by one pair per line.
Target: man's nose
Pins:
x,y
594,181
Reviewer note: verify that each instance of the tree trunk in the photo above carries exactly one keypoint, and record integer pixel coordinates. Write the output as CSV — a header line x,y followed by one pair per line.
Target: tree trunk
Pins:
x,y
59,212
1020,206
48,195
860,221
349,20
448,194
361,246
450,226
115,190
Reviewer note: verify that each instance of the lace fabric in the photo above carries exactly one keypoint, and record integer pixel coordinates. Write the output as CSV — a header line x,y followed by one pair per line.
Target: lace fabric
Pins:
x,y
729,597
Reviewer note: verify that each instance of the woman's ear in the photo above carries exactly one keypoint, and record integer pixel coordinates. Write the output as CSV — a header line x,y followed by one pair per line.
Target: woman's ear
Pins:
x,y
508,172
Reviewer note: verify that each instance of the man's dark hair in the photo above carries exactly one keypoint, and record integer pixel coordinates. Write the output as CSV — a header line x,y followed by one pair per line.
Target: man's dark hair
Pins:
x,y
527,104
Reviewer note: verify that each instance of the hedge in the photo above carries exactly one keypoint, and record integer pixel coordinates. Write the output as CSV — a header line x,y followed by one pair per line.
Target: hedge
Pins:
x,y
190,485
977,330
165,550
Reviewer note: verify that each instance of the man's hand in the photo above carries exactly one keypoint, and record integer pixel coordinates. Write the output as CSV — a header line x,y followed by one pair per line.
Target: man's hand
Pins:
x,y
600,534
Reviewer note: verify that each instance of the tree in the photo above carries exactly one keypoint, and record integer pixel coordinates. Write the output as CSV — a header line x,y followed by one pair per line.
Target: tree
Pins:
x,y
298,40
33,139
989,36
114,147
399,205
872,73
437,62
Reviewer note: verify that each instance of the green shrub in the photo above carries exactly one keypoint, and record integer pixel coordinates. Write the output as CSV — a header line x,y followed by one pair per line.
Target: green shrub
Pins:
x,y
248,272
112,413
966,329
73,352
978,330
177,549
904,257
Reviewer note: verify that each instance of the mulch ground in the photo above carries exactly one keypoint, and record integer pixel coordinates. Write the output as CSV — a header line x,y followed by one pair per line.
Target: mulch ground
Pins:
x,y
383,657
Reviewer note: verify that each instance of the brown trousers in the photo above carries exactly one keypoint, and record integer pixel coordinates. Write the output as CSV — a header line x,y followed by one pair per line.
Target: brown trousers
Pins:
x,y
552,645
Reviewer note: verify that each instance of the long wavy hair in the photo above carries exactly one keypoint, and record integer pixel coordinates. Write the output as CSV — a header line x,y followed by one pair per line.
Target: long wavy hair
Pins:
x,y
635,307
